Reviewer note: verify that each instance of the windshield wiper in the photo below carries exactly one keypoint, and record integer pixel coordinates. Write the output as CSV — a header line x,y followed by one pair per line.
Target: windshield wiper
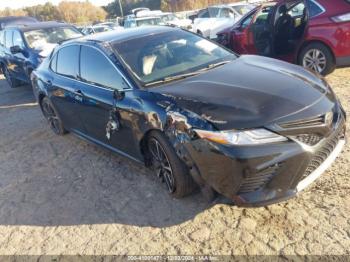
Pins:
x,y
173,78
210,66
181,76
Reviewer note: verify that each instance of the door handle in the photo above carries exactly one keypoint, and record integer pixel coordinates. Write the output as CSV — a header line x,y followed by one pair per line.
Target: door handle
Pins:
x,y
78,92
78,95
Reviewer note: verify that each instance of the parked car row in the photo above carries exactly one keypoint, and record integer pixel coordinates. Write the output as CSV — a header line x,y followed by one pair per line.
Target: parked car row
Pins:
x,y
213,19
24,46
312,33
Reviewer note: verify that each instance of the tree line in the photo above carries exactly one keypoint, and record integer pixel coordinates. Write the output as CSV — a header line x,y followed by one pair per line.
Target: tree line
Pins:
x,y
71,12
83,12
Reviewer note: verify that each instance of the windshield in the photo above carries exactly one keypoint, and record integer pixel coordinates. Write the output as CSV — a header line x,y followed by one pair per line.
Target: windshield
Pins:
x,y
169,17
102,29
151,21
154,58
40,38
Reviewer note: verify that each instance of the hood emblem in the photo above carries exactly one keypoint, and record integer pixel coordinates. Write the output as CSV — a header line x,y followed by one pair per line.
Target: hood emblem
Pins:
x,y
328,119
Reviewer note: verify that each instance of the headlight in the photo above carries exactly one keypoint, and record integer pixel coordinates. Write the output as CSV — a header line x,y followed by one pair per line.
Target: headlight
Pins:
x,y
244,138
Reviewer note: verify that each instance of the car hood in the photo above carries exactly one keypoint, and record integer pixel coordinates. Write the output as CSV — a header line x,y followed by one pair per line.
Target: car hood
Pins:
x,y
181,22
45,49
251,91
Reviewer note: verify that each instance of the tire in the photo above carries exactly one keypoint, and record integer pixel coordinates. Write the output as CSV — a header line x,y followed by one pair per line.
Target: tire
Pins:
x,y
182,182
52,117
12,82
323,64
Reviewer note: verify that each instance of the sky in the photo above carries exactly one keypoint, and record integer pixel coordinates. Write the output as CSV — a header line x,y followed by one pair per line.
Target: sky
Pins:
x,y
14,4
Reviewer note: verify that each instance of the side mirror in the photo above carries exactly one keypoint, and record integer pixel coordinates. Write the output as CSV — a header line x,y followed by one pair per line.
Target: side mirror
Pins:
x,y
118,95
15,49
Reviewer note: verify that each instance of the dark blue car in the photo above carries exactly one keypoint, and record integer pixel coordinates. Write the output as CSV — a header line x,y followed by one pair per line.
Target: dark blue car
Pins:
x,y
23,47
254,129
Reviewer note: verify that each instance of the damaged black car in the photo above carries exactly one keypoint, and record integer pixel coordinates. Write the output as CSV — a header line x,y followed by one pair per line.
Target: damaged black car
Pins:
x,y
254,129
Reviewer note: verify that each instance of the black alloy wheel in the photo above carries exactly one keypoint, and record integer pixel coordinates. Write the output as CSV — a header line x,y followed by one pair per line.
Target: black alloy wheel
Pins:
x,y
162,165
169,168
52,117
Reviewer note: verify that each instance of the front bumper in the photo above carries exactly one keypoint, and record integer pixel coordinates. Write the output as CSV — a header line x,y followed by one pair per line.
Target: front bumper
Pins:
x,y
265,174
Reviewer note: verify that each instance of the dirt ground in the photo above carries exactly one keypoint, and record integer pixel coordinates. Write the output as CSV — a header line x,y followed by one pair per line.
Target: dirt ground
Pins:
x,y
62,195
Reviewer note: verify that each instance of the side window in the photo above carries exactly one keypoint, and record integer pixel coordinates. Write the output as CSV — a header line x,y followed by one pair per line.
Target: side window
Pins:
x,y
2,38
204,14
53,64
314,8
96,69
68,61
17,39
246,22
264,15
8,39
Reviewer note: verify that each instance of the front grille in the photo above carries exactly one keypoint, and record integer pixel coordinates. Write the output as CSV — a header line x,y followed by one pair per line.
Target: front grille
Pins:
x,y
258,180
317,121
322,154
309,139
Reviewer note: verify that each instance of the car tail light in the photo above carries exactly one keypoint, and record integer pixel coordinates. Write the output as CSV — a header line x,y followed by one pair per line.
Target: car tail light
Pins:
x,y
342,18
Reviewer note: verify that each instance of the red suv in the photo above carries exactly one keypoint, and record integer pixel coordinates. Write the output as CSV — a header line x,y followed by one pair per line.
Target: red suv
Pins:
x,y
311,33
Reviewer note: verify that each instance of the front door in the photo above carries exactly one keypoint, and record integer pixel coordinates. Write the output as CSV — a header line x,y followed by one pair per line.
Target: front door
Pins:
x,y
19,58
262,31
105,116
243,39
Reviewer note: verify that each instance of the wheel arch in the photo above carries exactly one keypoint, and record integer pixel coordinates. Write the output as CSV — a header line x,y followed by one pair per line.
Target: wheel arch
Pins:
x,y
143,144
41,96
314,41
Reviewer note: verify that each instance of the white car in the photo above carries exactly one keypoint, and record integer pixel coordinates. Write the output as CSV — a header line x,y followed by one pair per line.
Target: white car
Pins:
x,y
132,21
172,19
89,30
213,19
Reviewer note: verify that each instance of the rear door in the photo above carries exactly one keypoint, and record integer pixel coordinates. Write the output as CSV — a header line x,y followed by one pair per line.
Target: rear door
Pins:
x,y
63,87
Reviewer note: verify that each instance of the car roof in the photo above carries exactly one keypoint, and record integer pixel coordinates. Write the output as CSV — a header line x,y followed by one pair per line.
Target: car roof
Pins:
x,y
38,25
120,36
16,20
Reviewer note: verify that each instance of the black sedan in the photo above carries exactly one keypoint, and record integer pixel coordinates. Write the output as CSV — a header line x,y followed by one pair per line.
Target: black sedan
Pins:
x,y
253,129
